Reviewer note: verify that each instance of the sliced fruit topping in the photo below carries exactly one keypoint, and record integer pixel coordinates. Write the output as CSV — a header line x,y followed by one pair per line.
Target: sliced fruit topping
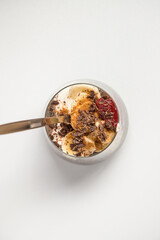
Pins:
x,y
108,112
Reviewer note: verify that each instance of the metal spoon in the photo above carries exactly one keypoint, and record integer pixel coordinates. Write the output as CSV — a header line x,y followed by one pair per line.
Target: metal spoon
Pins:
x,y
27,125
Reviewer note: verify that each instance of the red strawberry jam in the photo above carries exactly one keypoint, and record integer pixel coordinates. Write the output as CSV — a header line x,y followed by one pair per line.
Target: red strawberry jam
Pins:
x,y
108,111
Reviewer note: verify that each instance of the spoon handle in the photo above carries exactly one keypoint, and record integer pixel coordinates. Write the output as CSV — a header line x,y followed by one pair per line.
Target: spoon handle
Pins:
x,y
26,125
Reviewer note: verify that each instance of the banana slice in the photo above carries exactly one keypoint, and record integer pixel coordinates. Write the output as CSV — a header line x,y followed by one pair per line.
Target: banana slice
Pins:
x,y
82,88
102,145
83,104
93,135
110,136
99,145
79,94
87,149
75,114
66,142
79,100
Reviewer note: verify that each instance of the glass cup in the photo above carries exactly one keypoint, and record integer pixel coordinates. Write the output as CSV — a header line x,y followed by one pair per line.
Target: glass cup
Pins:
x,y
120,135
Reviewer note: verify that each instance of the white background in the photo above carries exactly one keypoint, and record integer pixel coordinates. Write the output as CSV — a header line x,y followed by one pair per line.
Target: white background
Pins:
x,y
44,44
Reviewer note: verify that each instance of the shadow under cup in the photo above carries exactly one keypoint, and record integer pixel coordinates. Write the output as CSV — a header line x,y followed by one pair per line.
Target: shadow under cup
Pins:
x,y
119,137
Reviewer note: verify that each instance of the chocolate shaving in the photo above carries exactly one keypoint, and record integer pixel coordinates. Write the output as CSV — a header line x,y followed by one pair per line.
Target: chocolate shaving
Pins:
x,y
108,115
51,114
85,121
77,140
62,125
54,102
101,128
68,127
92,95
105,97
78,154
101,115
105,115
92,108
95,99
109,126
91,129
51,137
53,126
62,132
101,135
51,109
75,147
56,143
80,132
114,128
67,118
65,128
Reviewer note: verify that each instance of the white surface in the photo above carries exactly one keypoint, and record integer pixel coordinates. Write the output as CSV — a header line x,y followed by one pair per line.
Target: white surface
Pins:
x,y
43,43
